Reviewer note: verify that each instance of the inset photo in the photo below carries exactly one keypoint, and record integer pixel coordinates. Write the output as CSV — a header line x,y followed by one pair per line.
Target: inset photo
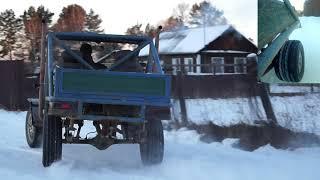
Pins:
x,y
288,37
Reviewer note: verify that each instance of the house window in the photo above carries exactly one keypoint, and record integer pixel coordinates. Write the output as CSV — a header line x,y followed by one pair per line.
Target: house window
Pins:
x,y
188,65
161,63
176,64
240,65
217,65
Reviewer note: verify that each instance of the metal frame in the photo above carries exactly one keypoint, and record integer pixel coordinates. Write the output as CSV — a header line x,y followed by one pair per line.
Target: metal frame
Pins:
x,y
265,58
56,93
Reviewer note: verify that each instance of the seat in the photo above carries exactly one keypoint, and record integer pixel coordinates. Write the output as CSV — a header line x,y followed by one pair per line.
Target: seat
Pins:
x,y
131,65
69,61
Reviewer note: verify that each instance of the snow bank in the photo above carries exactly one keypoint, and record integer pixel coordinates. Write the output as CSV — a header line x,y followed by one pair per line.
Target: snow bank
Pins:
x,y
297,113
185,158
310,37
223,112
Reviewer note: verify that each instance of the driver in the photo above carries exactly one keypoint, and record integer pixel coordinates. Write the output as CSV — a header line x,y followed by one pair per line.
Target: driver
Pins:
x,y
86,51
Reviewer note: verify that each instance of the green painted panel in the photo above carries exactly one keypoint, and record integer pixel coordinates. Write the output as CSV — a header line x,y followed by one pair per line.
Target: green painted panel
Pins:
x,y
102,83
273,17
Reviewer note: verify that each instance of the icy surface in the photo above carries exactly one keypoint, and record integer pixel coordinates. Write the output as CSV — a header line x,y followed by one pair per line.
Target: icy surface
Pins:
x,y
185,158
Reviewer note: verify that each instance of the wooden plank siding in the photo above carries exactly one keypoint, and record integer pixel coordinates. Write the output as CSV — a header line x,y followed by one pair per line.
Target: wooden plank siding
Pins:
x,y
231,40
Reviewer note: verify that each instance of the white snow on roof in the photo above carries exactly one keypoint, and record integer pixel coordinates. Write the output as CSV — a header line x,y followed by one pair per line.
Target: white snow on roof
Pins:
x,y
187,40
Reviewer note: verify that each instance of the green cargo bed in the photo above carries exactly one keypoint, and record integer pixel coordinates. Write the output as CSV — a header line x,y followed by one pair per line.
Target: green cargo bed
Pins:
x,y
121,87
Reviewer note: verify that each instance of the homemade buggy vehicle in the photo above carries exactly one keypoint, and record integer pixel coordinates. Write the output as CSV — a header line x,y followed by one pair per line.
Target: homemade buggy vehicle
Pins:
x,y
125,100
276,21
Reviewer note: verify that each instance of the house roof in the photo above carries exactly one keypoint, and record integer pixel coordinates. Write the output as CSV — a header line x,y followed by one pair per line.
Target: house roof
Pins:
x,y
188,40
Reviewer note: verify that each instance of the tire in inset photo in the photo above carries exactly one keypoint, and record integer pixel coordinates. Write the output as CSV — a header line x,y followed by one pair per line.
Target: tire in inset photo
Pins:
x,y
289,63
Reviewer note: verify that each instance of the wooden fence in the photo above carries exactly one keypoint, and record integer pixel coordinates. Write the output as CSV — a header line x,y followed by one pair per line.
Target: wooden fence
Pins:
x,y
17,87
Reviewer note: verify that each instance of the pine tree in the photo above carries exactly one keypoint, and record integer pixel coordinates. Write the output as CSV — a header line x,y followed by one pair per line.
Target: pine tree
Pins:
x,y
135,30
23,45
72,19
9,26
93,22
150,31
172,23
181,13
206,14
32,20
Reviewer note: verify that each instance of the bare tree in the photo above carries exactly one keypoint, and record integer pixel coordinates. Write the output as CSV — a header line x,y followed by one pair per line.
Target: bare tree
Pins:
x,y
182,12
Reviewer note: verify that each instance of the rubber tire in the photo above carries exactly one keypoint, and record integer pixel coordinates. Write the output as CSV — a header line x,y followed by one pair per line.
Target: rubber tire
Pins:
x,y
152,149
52,140
58,138
36,140
288,60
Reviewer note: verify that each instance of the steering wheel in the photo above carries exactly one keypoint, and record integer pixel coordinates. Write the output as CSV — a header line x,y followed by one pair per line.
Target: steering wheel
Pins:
x,y
106,56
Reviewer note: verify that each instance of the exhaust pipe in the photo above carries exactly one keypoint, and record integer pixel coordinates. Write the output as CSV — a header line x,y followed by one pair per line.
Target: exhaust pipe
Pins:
x,y
157,39
42,67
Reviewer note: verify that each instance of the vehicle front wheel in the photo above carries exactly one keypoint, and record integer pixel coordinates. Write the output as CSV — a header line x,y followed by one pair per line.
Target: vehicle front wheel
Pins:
x,y
289,63
152,147
33,133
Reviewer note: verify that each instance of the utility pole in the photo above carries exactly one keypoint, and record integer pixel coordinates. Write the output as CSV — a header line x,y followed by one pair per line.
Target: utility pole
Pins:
x,y
204,29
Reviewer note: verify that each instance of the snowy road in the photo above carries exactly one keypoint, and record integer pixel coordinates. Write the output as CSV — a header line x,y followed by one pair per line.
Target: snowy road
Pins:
x,y
185,158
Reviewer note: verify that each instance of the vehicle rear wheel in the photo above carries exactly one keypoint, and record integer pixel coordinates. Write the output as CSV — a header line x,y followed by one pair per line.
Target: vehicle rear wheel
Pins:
x,y
152,148
33,133
289,64
58,138
52,140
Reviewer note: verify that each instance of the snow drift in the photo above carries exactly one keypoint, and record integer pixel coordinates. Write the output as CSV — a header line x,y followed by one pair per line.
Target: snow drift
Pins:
x,y
297,113
185,158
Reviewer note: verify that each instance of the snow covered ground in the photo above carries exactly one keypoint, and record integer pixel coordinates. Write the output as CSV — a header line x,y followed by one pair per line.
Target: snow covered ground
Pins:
x,y
185,158
310,37
297,113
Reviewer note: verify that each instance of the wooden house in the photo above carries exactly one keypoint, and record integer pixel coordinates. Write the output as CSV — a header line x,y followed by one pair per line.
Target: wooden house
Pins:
x,y
218,50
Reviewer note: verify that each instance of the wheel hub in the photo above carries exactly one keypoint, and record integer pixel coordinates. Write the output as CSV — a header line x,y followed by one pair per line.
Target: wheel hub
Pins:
x,y
30,128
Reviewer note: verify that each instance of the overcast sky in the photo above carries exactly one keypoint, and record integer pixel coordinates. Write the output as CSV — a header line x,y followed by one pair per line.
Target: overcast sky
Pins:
x,y
298,4
118,15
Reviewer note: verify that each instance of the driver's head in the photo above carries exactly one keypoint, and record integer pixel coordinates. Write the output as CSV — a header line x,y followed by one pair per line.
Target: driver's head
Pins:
x,y
86,48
